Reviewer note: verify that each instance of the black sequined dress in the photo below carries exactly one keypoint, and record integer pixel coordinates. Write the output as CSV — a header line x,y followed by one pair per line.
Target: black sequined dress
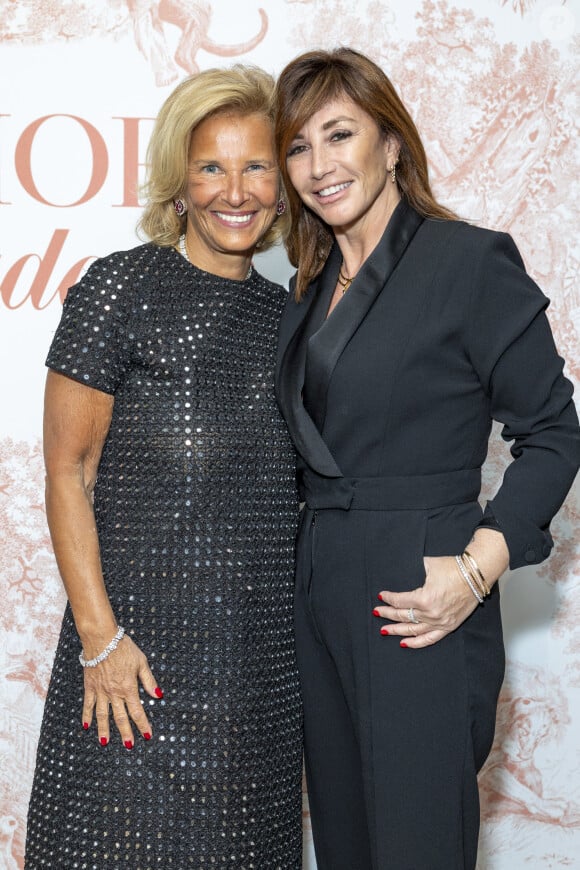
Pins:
x,y
196,508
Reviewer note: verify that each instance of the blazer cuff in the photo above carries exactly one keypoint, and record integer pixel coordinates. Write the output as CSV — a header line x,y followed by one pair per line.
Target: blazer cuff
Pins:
x,y
527,543
489,520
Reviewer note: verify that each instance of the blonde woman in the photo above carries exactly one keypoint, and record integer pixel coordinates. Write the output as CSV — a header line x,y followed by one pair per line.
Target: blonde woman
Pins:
x,y
175,742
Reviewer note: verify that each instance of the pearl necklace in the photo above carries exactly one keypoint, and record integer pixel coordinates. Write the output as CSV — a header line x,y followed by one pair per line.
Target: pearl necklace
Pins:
x,y
183,251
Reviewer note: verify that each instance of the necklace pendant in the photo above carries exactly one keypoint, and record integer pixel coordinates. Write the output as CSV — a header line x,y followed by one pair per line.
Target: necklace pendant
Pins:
x,y
344,280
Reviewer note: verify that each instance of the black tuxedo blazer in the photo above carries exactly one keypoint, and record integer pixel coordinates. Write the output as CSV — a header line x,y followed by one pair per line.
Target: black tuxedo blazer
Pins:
x,y
441,332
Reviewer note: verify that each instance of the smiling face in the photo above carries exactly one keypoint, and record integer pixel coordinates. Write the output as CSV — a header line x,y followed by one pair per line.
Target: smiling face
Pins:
x,y
339,164
232,191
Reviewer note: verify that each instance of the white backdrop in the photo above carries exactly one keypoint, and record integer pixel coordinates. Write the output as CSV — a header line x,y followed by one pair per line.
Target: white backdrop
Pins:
x,y
494,86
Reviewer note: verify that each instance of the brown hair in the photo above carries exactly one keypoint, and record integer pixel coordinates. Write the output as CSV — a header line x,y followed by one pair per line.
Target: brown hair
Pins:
x,y
304,86
243,90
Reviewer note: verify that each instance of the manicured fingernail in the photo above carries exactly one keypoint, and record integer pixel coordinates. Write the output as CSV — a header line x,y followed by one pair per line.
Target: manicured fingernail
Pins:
x,y
384,630
376,612
158,692
403,644
146,736
104,741
128,744
380,596
86,726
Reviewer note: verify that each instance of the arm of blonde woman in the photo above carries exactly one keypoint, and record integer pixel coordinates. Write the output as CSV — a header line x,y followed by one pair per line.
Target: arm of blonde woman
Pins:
x,y
425,615
76,423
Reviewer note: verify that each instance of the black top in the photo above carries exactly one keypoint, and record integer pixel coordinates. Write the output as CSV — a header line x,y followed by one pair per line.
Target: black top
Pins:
x,y
441,332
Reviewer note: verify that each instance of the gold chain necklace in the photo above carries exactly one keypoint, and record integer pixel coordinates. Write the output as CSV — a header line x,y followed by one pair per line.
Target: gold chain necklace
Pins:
x,y
344,281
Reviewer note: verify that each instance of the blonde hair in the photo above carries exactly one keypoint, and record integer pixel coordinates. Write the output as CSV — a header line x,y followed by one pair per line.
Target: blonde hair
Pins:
x,y
244,90
304,86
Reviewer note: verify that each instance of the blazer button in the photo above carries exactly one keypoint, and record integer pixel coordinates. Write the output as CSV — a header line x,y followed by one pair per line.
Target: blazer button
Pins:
x,y
530,555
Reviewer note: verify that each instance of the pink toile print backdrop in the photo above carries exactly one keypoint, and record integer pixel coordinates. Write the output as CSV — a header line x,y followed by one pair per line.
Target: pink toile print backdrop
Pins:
x,y
494,86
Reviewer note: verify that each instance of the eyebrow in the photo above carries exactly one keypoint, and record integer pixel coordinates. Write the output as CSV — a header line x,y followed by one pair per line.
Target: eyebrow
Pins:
x,y
331,123
204,160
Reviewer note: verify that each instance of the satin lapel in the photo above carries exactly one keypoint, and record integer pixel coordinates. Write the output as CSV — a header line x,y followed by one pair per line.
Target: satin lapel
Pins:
x,y
299,321
327,344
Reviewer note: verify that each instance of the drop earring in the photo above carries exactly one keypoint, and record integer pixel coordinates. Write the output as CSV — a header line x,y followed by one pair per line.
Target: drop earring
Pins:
x,y
281,207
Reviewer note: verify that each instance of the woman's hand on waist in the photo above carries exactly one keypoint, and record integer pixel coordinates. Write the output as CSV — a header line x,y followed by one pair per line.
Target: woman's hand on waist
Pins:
x,y
425,615
114,685
451,592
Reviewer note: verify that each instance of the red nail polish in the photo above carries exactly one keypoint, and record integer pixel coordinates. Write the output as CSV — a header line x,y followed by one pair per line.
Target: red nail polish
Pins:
x,y
384,630
379,596
376,612
104,741
146,736
403,644
159,692
128,744
86,726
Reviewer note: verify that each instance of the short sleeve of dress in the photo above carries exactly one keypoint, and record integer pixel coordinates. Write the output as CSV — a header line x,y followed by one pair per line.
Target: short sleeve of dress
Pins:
x,y
92,343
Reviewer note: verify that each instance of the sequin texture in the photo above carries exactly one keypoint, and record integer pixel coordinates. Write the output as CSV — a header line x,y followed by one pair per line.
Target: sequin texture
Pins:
x,y
196,511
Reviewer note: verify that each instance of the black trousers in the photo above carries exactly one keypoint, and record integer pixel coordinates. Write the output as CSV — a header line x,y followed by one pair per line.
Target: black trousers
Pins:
x,y
393,737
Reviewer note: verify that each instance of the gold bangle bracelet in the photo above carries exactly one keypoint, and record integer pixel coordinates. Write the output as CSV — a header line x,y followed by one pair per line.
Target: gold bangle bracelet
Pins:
x,y
472,575
483,582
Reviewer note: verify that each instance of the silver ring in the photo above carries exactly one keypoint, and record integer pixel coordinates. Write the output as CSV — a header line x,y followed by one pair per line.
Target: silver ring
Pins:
x,y
412,617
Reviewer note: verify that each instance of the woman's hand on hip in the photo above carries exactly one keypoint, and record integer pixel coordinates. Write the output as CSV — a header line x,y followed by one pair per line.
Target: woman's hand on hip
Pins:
x,y
425,615
114,685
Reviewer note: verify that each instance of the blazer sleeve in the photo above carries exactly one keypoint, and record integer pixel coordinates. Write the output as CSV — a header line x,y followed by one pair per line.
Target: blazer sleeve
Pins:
x,y
511,347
